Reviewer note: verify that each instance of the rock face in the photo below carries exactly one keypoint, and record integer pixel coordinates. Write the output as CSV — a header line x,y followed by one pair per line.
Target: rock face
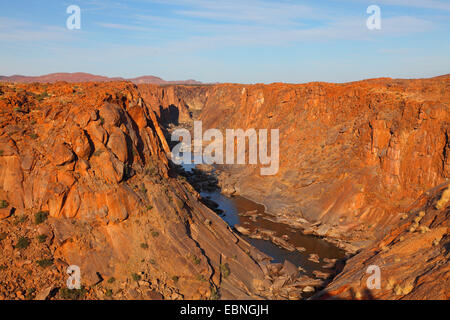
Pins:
x,y
353,159
85,181
352,156
175,104
413,258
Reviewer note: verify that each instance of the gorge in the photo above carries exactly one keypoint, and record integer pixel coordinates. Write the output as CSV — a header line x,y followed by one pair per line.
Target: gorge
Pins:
x,y
363,173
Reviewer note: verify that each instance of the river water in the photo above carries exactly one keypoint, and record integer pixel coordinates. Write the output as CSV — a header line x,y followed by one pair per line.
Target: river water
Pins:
x,y
235,212
234,209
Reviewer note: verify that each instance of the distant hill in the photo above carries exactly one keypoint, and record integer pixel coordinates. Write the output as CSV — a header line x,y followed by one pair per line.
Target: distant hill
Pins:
x,y
87,77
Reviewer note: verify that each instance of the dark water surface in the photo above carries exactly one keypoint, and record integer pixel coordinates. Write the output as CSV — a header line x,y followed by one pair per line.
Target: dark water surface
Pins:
x,y
235,205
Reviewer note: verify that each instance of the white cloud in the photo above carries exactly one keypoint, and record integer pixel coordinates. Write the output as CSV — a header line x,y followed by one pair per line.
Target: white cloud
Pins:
x,y
428,4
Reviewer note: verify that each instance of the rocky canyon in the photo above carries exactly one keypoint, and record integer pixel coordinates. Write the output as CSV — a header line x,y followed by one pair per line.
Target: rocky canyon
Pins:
x,y
87,179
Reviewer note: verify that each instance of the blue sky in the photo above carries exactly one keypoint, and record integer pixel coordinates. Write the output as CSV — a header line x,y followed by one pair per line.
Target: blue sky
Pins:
x,y
245,41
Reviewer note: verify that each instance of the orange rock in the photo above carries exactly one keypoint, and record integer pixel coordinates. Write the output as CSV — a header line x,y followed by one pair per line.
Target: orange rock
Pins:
x,y
61,154
118,144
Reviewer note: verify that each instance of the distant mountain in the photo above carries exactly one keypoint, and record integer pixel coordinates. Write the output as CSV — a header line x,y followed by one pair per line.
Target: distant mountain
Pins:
x,y
87,77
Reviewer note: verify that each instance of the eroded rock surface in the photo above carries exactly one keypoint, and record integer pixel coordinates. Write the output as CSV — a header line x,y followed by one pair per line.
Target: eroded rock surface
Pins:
x,y
413,258
354,158
85,180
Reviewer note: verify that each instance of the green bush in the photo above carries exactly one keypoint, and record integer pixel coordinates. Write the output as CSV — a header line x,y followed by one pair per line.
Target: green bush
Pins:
x,y
214,293
109,293
144,246
73,294
155,234
44,263
29,295
41,238
42,96
40,217
136,277
225,270
111,280
3,204
201,277
20,219
196,260
22,243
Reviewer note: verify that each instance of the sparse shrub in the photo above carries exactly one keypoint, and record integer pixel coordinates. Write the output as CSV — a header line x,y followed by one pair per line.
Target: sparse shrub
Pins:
x,y
42,96
155,234
33,136
20,219
29,295
1,152
225,270
40,217
149,207
41,238
3,236
152,261
3,204
44,263
102,121
196,260
144,246
109,293
136,277
214,294
22,243
73,294
175,278
111,280
201,277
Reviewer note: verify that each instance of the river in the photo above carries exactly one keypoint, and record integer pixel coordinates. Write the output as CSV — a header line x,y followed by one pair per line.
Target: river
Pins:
x,y
235,212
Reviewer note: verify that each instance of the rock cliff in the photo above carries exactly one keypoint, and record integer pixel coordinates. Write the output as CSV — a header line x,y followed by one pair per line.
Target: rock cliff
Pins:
x,y
352,156
85,180
360,163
